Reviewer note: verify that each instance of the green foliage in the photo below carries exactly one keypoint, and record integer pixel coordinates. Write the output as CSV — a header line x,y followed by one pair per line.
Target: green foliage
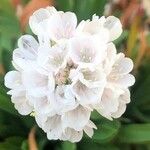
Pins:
x,y
91,7
11,143
5,103
68,146
24,145
135,133
106,131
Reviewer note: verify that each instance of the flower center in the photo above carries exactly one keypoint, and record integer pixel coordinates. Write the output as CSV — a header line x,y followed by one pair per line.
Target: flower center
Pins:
x,y
62,77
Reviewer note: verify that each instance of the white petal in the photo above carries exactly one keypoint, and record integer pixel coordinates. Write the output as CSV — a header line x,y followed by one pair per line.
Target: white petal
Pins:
x,y
109,102
53,58
38,17
43,105
76,118
62,25
86,51
94,27
40,119
26,54
87,95
110,58
125,81
12,79
111,51
72,135
69,22
29,44
114,26
123,65
65,100
123,99
51,82
53,127
92,78
120,111
33,79
21,104
38,91
89,131
91,125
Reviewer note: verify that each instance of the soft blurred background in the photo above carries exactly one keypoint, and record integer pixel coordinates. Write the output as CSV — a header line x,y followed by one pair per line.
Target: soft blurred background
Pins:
x,y
132,130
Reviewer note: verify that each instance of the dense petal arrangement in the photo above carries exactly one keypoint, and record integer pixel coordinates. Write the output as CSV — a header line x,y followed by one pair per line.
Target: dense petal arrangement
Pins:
x,y
71,71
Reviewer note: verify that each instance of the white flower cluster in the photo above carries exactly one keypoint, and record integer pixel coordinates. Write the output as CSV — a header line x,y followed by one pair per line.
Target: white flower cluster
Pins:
x,y
71,71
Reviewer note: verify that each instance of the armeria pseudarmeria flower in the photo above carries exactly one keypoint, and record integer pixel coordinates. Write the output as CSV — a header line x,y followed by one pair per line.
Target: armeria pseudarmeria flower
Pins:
x,y
69,72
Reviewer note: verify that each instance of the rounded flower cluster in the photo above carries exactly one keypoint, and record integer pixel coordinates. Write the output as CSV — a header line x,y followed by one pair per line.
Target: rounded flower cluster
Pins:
x,y
71,71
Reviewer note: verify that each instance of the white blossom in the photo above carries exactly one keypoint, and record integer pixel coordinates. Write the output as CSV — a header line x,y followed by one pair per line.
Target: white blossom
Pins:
x,y
38,20
87,51
117,68
53,58
69,72
111,26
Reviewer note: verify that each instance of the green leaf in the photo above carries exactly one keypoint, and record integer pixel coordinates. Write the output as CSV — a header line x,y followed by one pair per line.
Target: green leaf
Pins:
x,y
25,145
90,144
66,5
95,115
5,102
5,42
11,125
106,131
11,143
84,9
91,7
134,133
6,60
7,8
68,146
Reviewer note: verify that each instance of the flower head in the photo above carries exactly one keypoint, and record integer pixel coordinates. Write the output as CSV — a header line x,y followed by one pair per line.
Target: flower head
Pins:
x,y
69,72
